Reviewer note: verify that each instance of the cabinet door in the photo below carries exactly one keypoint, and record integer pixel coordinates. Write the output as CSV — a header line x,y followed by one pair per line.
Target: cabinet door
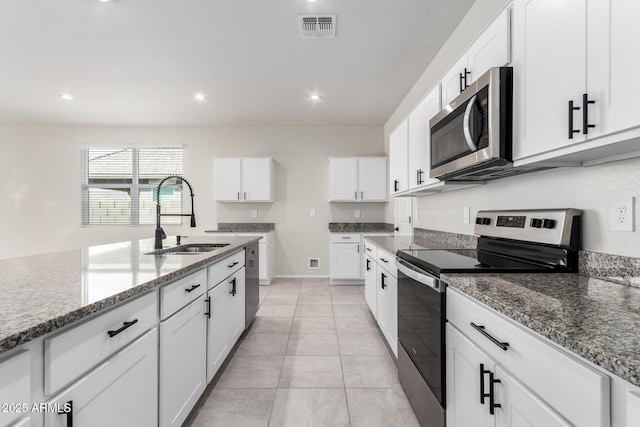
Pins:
x,y
372,179
549,58
263,255
218,325
345,261
343,179
464,361
236,292
420,139
370,282
452,84
227,180
182,362
398,158
387,307
15,386
491,48
123,391
613,63
520,407
256,180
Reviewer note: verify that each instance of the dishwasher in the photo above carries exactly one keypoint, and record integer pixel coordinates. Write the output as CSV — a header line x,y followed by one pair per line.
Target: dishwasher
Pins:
x,y
252,283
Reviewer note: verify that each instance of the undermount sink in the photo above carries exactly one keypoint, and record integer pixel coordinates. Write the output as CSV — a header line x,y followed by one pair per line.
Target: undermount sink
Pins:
x,y
190,249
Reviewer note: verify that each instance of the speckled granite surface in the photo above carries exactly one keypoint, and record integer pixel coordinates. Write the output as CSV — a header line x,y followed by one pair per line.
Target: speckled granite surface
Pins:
x,y
432,240
444,239
616,268
42,293
360,227
596,319
244,227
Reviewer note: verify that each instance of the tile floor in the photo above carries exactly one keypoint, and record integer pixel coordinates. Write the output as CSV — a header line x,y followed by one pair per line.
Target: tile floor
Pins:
x,y
313,357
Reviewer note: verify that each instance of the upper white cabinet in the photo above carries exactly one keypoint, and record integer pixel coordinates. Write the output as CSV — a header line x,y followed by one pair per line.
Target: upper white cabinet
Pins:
x,y
399,158
562,109
490,49
358,179
419,140
243,180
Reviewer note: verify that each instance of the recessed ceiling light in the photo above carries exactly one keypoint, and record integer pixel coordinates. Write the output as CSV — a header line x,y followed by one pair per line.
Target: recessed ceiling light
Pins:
x,y
66,96
315,97
200,96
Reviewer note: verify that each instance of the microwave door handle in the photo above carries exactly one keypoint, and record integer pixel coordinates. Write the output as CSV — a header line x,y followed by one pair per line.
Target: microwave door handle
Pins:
x,y
467,129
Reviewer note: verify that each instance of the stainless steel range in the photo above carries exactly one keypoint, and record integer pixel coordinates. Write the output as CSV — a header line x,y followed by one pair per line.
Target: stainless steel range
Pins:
x,y
510,241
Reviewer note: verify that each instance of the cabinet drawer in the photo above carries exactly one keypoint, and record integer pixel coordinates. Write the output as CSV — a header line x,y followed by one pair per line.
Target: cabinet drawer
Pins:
x,y
223,269
15,388
371,250
181,292
69,354
345,237
387,261
579,393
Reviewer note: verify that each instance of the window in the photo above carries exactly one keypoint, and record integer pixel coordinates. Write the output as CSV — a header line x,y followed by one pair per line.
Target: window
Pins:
x,y
119,185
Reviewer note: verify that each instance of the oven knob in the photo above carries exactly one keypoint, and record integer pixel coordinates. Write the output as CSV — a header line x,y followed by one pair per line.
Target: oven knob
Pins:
x,y
548,223
536,222
486,221
479,220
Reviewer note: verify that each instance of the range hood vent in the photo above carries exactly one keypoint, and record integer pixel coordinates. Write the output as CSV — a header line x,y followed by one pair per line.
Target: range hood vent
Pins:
x,y
317,26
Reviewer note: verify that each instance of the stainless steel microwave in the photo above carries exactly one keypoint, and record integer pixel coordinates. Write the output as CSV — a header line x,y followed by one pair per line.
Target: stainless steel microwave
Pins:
x,y
471,138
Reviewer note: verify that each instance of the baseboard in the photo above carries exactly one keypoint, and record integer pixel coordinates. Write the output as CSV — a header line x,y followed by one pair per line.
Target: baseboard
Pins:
x,y
301,276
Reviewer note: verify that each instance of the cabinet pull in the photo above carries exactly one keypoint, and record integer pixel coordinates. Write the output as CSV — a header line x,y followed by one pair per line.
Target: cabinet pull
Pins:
x,y
384,260
192,288
368,268
395,185
492,394
238,195
361,195
466,73
585,113
125,325
358,248
461,88
482,374
208,312
245,195
571,129
382,277
233,287
481,329
367,249
68,411
233,264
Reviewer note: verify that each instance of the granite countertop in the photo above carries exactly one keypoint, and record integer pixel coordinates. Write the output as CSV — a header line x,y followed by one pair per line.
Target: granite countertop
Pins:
x,y
360,227
42,293
594,318
395,243
243,227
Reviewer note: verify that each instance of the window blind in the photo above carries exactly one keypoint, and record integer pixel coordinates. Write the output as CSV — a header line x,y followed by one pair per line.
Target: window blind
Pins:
x,y
119,185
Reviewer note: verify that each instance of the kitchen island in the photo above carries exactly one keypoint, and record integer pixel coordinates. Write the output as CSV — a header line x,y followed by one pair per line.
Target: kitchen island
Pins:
x,y
118,326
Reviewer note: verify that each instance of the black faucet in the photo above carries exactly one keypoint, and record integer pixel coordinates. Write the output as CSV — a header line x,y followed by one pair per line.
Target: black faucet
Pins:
x,y
160,235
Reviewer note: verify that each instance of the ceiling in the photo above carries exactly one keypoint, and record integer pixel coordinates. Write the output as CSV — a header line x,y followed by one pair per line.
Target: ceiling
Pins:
x,y
140,62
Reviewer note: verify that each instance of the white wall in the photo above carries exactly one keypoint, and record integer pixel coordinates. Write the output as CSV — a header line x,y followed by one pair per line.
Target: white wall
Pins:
x,y
40,190
589,189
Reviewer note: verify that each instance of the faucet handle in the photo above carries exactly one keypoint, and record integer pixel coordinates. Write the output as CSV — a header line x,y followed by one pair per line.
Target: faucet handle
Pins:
x,y
164,235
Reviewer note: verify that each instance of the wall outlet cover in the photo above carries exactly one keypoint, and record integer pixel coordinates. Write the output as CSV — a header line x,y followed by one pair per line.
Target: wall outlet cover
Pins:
x,y
621,214
357,213
466,215
254,214
312,213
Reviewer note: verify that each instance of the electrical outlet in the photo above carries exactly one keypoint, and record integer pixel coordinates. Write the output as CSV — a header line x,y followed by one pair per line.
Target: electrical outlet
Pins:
x,y
254,214
312,213
621,214
466,215
357,213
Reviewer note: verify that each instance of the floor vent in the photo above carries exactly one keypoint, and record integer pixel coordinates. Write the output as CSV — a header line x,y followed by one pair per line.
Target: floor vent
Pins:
x,y
314,264
317,26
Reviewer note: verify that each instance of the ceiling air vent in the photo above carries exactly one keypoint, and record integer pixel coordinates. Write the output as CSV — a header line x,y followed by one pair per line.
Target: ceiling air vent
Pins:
x,y
317,25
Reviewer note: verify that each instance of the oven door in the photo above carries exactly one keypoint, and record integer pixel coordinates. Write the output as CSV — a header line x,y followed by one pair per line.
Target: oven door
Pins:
x,y
475,127
421,324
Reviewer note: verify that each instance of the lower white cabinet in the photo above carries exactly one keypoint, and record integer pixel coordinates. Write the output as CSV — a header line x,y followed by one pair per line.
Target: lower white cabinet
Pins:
x,y
182,362
345,261
122,391
226,319
371,284
387,306
15,386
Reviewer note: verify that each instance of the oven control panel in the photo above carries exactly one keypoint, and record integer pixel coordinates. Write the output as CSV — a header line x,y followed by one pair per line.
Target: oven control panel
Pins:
x,y
551,226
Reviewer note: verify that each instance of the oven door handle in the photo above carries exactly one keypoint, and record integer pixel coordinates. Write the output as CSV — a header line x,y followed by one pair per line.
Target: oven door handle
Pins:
x,y
466,124
419,275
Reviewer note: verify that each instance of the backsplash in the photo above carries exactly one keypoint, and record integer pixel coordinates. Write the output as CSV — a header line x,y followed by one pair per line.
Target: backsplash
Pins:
x,y
447,239
616,268
246,227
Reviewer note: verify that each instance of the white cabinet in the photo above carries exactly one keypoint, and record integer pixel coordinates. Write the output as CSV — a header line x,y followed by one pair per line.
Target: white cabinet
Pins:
x,y
182,362
15,386
370,283
225,311
266,254
490,49
345,259
243,179
399,158
357,179
566,116
420,140
120,392
387,305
